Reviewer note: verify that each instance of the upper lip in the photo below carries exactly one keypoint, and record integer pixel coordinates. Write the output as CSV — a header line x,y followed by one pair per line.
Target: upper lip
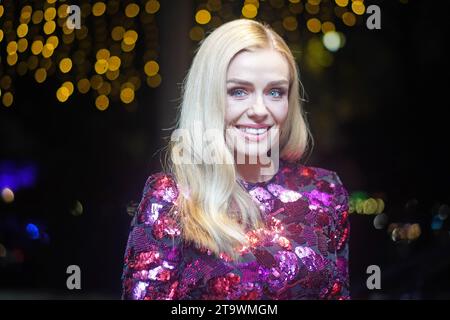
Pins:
x,y
252,125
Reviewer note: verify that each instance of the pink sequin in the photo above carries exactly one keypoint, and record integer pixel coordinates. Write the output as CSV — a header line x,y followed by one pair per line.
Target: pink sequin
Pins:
x,y
300,253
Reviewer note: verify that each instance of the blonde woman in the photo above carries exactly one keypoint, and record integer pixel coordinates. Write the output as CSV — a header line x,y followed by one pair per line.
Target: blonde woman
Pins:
x,y
235,215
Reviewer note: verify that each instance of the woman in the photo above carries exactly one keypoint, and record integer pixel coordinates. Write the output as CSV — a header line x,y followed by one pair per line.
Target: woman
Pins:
x,y
236,215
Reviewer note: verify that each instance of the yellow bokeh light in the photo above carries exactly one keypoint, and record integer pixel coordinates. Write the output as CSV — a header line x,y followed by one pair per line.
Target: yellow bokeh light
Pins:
x,y
312,9
96,82
22,45
249,11
202,16
50,14
154,81
102,54
1,35
81,33
296,8
216,5
349,19
112,75
46,63
69,86
358,7
40,75
254,2
197,33
342,3
36,47
54,41
102,102
68,38
152,6
117,33
2,10
66,30
83,85
314,25
11,47
328,26
290,23
62,94
132,10
151,68
101,66
37,16
105,88
130,37
314,2
49,27
5,82
22,30
126,48
65,65
127,95
25,13
8,99
11,59
47,50
62,10
136,81
114,63
32,62
98,9
128,84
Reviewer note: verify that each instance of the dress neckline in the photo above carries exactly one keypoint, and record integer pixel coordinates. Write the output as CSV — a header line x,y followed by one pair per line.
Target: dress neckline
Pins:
x,y
251,185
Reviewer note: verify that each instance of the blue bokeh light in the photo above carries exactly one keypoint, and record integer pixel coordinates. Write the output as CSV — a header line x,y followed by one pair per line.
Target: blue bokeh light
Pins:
x,y
33,231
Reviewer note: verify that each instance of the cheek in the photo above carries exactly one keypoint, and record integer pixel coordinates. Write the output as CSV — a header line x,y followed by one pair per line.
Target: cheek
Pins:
x,y
233,111
279,112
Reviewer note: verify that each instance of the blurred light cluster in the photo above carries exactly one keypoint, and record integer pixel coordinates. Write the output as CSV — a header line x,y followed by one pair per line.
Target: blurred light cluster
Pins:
x,y
99,57
439,217
14,177
318,22
360,203
404,231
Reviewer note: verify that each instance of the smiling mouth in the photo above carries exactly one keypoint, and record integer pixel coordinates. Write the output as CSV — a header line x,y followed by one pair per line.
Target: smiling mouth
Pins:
x,y
253,131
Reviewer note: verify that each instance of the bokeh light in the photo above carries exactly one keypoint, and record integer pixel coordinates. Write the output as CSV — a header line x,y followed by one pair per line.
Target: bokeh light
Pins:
x,y
7,195
32,231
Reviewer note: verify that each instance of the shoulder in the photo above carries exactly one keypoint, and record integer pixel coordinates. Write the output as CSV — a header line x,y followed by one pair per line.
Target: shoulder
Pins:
x,y
161,186
322,179
159,195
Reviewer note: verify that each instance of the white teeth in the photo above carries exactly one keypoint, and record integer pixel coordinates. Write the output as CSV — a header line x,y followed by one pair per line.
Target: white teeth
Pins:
x,y
254,130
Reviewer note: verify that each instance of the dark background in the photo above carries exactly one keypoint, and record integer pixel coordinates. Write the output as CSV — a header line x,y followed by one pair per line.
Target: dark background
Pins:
x,y
377,116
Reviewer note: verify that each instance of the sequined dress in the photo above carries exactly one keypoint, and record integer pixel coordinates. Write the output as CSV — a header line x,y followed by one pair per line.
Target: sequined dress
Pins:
x,y
301,253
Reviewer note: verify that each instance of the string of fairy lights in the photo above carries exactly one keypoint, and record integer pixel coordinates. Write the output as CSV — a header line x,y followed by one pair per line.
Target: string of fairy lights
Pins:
x,y
99,57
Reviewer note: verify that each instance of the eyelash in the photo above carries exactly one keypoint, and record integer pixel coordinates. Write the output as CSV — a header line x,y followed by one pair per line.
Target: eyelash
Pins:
x,y
232,92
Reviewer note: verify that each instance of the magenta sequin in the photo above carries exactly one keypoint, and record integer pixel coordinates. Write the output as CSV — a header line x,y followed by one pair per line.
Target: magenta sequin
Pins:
x,y
301,253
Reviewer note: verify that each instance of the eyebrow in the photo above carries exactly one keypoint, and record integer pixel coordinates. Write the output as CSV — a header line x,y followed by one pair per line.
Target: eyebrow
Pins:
x,y
247,83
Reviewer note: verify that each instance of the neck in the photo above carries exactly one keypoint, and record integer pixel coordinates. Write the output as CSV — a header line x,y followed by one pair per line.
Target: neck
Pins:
x,y
258,172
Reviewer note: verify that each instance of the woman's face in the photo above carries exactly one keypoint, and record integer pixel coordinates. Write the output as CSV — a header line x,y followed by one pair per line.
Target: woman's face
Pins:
x,y
257,101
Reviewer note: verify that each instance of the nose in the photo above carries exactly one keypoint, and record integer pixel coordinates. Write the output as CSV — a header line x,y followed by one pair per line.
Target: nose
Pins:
x,y
258,109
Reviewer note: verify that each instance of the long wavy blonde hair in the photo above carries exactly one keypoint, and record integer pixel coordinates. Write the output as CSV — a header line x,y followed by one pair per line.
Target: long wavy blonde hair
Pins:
x,y
215,210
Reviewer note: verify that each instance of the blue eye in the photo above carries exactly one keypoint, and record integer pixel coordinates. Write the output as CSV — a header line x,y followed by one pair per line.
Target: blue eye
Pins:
x,y
237,92
278,93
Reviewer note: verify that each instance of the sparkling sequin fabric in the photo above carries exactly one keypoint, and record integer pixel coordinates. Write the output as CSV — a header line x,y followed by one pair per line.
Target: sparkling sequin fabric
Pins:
x,y
302,253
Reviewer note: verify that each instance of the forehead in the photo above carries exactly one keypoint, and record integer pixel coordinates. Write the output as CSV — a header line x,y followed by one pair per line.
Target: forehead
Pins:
x,y
258,64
